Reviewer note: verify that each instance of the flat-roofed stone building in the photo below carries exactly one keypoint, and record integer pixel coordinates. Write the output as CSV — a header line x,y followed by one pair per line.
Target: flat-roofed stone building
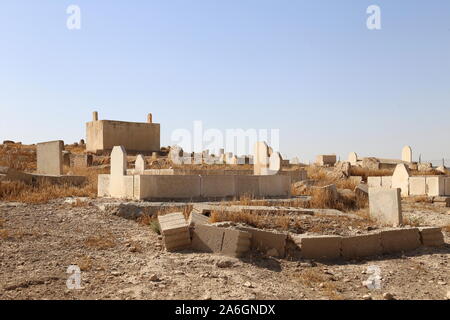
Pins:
x,y
136,137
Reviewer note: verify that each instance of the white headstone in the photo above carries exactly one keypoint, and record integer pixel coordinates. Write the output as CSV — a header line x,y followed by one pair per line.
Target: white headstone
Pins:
x,y
118,171
400,179
139,165
275,163
260,157
385,206
407,154
353,158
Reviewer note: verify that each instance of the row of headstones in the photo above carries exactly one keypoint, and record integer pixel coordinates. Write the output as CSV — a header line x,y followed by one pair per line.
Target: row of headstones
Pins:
x,y
407,156
266,161
177,156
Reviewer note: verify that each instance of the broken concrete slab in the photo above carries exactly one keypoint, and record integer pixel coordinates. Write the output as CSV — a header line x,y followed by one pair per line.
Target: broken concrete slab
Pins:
x,y
207,238
265,241
385,206
235,242
175,231
197,218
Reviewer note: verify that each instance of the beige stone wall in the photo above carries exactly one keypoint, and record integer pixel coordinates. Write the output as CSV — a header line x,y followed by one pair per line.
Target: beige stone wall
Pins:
x,y
134,136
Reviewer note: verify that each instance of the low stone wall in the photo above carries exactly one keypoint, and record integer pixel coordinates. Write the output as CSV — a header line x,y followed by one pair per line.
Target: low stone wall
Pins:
x,y
387,241
296,175
155,187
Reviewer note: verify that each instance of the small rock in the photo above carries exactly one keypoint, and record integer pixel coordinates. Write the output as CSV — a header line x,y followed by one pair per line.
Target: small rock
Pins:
x,y
225,263
367,297
207,296
248,285
388,296
154,278
448,295
442,283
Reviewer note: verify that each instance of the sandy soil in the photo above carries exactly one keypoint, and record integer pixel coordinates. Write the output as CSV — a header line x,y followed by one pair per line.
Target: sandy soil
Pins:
x,y
121,259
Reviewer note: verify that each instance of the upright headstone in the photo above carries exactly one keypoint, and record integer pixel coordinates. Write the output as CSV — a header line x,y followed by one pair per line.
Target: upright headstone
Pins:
x,y
139,165
385,206
407,154
118,171
175,154
260,158
400,179
275,163
353,158
221,152
234,160
50,157
229,157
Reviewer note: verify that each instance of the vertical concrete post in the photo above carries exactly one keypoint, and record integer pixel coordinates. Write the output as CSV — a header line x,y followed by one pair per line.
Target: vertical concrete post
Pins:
x,y
95,116
149,118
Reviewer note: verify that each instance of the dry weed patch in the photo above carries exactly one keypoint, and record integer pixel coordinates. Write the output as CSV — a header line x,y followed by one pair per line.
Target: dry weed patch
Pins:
x,y
101,242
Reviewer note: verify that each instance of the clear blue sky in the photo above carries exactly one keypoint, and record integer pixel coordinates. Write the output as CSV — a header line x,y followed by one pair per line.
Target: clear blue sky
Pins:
x,y
309,68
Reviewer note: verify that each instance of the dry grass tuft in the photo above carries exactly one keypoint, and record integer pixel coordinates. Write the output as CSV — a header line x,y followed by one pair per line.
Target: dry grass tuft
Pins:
x,y
152,222
262,221
2,222
80,204
315,278
422,199
101,242
413,221
4,234
45,191
18,156
85,263
364,172
41,193
446,228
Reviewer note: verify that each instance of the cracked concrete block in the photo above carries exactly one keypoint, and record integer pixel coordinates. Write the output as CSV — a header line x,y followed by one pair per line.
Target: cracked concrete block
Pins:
x,y
319,247
361,246
207,238
235,242
175,231
264,241
398,240
197,218
431,236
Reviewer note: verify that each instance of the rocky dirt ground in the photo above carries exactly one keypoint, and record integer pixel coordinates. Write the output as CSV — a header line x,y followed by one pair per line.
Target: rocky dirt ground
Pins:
x,y
122,259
